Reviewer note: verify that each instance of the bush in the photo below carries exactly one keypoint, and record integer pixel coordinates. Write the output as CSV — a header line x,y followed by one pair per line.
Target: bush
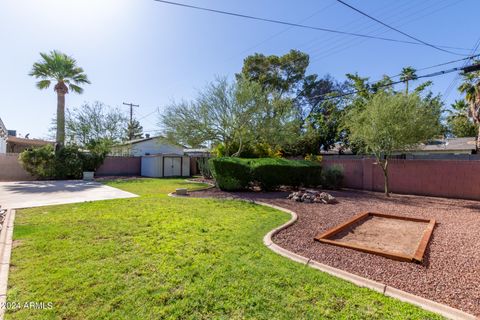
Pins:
x,y
39,162
273,173
269,173
313,157
204,167
91,161
231,173
67,163
332,177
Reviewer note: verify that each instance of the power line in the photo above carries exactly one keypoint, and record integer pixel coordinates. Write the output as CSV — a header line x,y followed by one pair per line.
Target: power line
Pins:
x,y
395,29
430,75
130,132
287,29
411,17
131,105
452,84
298,25
148,114
441,64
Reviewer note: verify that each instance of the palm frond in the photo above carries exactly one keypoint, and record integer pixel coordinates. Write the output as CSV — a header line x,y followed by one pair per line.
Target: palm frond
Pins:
x,y
59,67
75,88
43,84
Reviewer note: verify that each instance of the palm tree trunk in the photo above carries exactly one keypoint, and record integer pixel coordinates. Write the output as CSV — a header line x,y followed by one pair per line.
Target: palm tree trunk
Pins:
x,y
60,118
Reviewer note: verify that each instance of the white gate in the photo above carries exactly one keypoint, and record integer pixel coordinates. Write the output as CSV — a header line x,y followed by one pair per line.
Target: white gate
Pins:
x,y
172,166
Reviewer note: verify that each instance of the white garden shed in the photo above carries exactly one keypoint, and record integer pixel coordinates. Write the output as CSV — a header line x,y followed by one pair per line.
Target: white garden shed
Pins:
x,y
165,165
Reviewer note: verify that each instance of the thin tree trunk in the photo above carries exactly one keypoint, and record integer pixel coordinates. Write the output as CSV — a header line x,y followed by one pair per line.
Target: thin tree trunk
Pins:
x,y
478,137
60,118
240,147
385,173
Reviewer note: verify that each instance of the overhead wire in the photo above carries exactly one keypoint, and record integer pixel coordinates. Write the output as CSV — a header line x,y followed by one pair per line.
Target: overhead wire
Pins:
x,y
389,84
229,13
412,17
396,29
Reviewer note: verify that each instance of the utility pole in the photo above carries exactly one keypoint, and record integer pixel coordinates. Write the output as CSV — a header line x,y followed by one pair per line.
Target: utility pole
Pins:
x,y
131,105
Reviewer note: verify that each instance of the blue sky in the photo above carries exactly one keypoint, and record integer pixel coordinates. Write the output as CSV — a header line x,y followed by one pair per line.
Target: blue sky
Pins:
x,y
150,53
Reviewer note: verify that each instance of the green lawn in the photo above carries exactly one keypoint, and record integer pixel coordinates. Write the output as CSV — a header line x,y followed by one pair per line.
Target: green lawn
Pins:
x,y
157,257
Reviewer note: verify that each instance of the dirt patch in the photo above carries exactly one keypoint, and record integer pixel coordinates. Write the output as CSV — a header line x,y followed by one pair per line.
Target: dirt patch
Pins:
x,y
16,243
384,234
450,271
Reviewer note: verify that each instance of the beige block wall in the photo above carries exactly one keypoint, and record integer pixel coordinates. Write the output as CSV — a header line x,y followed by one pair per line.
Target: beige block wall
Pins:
x,y
11,169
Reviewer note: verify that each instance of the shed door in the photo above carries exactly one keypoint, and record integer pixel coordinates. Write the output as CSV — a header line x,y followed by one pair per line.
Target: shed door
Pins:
x,y
172,167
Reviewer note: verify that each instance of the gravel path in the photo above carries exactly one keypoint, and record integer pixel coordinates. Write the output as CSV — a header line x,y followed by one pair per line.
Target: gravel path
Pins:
x,y
450,273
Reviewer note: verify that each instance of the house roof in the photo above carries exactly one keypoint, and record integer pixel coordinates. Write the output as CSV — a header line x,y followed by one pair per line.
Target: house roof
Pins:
x,y
138,140
200,151
435,145
130,142
28,142
449,144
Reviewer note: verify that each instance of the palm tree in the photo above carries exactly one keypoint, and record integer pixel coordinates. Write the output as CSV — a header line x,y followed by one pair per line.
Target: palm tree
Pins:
x,y
459,122
61,69
471,88
407,74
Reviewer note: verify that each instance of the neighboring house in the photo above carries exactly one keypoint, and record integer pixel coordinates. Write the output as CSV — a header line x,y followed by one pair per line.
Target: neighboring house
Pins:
x,y
3,138
454,146
449,148
17,145
146,146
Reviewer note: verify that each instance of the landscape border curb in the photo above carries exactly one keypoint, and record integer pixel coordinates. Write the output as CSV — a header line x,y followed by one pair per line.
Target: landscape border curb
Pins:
x,y
6,242
426,304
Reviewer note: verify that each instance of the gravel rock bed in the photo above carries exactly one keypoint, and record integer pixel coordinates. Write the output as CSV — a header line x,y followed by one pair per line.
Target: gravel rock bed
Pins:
x,y
450,272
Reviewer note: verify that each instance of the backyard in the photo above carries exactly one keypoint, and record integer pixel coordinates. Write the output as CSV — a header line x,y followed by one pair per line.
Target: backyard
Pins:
x,y
156,257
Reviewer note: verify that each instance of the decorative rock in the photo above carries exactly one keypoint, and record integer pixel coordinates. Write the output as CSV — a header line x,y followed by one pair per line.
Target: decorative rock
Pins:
x,y
312,196
181,192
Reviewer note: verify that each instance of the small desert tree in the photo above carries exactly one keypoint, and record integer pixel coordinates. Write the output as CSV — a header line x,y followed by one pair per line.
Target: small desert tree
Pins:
x,y
392,123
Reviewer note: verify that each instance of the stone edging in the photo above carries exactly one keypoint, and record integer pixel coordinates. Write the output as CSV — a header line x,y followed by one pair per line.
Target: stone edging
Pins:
x,y
423,303
6,241
426,304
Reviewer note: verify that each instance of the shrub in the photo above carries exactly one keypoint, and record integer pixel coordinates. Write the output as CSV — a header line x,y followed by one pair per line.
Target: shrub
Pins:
x,y
204,167
314,157
231,173
273,173
67,163
39,162
269,173
91,161
332,177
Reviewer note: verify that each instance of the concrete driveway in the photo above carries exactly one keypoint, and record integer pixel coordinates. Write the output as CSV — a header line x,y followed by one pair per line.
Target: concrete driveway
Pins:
x,y
25,194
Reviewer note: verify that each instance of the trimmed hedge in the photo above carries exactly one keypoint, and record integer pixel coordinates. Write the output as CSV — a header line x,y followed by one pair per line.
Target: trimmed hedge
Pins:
x,y
231,173
270,173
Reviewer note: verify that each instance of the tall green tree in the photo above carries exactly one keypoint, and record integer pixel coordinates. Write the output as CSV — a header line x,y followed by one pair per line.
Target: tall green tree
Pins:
x,y
471,88
282,76
62,70
229,115
94,122
133,130
391,123
408,74
458,122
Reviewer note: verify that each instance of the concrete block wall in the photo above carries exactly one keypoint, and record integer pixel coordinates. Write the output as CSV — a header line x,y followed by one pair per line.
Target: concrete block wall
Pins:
x,y
439,178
